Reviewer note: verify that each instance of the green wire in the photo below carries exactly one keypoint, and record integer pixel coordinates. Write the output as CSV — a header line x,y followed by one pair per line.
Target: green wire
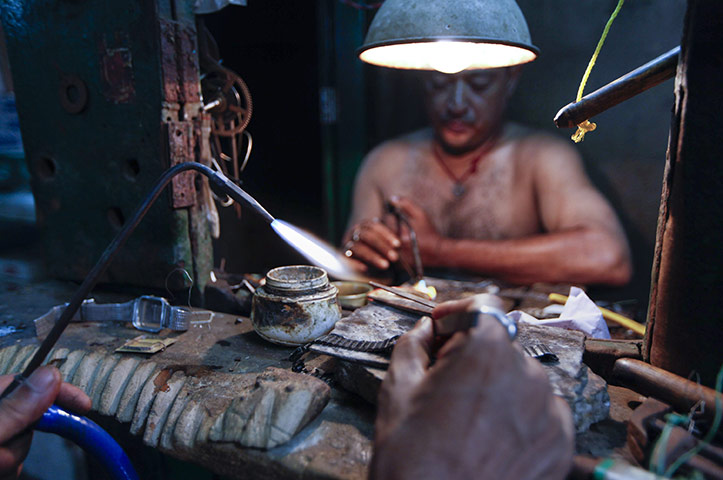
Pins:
x,y
711,433
657,457
597,49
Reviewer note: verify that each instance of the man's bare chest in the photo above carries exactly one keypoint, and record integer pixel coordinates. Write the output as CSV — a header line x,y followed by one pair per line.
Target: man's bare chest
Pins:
x,y
496,202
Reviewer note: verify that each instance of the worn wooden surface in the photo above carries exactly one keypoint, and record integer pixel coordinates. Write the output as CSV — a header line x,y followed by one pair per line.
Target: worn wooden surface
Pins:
x,y
220,397
363,372
584,391
186,401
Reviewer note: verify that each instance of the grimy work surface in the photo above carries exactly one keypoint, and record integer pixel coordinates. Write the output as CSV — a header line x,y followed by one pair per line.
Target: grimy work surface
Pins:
x,y
185,401
218,387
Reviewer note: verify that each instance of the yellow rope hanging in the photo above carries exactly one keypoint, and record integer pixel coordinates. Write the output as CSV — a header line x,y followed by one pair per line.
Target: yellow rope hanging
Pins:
x,y
587,125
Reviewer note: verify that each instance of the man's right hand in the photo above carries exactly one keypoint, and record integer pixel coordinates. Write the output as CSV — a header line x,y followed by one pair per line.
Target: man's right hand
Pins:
x,y
24,406
372,243
483,410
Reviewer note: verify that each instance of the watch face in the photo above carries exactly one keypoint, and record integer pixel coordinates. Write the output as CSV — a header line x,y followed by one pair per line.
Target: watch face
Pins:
x,y
149,313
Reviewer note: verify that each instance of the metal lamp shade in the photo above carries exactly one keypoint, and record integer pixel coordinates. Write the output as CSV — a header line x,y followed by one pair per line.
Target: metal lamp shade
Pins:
x,y
448,35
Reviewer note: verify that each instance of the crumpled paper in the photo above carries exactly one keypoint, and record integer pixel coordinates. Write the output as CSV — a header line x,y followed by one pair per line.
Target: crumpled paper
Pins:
x,y
579,313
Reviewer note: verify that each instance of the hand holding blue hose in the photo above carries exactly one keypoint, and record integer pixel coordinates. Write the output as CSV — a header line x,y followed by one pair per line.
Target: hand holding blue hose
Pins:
x,y
30,406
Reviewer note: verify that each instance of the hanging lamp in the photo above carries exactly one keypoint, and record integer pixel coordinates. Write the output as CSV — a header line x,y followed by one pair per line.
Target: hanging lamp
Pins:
x,y
448,35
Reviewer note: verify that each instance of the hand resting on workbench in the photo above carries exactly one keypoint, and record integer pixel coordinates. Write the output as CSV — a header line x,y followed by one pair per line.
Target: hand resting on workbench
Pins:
x,y
25,406
483,410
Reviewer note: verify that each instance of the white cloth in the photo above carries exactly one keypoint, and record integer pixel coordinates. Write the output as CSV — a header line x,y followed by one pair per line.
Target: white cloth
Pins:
x,y
579,313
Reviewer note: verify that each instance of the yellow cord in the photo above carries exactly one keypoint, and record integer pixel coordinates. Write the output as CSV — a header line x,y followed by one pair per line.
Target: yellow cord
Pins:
x,y
587,125
607,314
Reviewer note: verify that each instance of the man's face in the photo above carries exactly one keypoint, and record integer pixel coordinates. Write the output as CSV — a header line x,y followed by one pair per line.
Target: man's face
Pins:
x,y
467,107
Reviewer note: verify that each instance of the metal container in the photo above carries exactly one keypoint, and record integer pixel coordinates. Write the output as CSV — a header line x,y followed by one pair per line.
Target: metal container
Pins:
x,y
295,306
352,294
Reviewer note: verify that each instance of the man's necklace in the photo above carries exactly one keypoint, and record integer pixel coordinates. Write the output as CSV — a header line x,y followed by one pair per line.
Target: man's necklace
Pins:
x,y
458,188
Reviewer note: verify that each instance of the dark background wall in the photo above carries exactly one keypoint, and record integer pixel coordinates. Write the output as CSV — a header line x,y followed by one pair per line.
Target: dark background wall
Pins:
x,y
272,45
625,156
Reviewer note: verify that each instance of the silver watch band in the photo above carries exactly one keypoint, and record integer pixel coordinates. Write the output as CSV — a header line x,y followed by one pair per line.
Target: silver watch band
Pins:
x,y
147,313
457,321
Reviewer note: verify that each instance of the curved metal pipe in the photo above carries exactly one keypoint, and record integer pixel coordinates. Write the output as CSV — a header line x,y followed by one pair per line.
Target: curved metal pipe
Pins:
x,y
642,78
216,179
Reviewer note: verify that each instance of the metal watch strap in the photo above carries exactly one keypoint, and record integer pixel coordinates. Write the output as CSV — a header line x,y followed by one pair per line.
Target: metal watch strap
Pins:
x,y
509,325
147,313
180,318
374,346
458,321
102,312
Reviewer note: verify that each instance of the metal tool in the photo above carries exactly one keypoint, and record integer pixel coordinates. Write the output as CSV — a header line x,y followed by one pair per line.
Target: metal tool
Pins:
x,y
459,321
679,392
401,293
625,87
402,218
541,352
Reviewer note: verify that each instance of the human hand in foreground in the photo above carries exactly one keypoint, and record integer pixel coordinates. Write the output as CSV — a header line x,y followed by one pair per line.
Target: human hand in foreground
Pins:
x,y
24,406
483,410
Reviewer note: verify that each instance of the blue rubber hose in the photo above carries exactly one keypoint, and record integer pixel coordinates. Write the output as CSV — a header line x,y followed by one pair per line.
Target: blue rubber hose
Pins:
x,y
91,438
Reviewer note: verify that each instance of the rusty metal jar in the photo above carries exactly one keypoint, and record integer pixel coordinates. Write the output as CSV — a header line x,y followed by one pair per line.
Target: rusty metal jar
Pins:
x,y
295,306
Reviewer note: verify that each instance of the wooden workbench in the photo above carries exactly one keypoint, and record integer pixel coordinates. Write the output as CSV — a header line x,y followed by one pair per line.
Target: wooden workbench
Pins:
x,y
185,400
183,391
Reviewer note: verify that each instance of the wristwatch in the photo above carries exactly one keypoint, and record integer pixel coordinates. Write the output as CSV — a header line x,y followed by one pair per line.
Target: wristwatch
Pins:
x,y
147,313
457,321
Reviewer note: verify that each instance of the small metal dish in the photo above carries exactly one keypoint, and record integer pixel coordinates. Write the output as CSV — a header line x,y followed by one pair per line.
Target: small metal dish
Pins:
x,y
352,294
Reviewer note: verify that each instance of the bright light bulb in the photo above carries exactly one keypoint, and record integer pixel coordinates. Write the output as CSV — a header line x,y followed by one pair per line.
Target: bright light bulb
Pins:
x,y
448,57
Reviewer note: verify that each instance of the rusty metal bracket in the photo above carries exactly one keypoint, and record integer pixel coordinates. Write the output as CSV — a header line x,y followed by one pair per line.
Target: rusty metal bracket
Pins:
x,y
181,148
182,116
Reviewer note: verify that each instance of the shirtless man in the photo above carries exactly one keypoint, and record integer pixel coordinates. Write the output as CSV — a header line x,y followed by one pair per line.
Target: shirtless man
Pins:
x,y
485,196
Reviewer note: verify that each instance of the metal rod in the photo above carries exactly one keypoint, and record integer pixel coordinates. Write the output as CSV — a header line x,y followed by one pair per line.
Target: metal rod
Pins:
x,y
678,391
218,180
402,218
403,294
642,78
